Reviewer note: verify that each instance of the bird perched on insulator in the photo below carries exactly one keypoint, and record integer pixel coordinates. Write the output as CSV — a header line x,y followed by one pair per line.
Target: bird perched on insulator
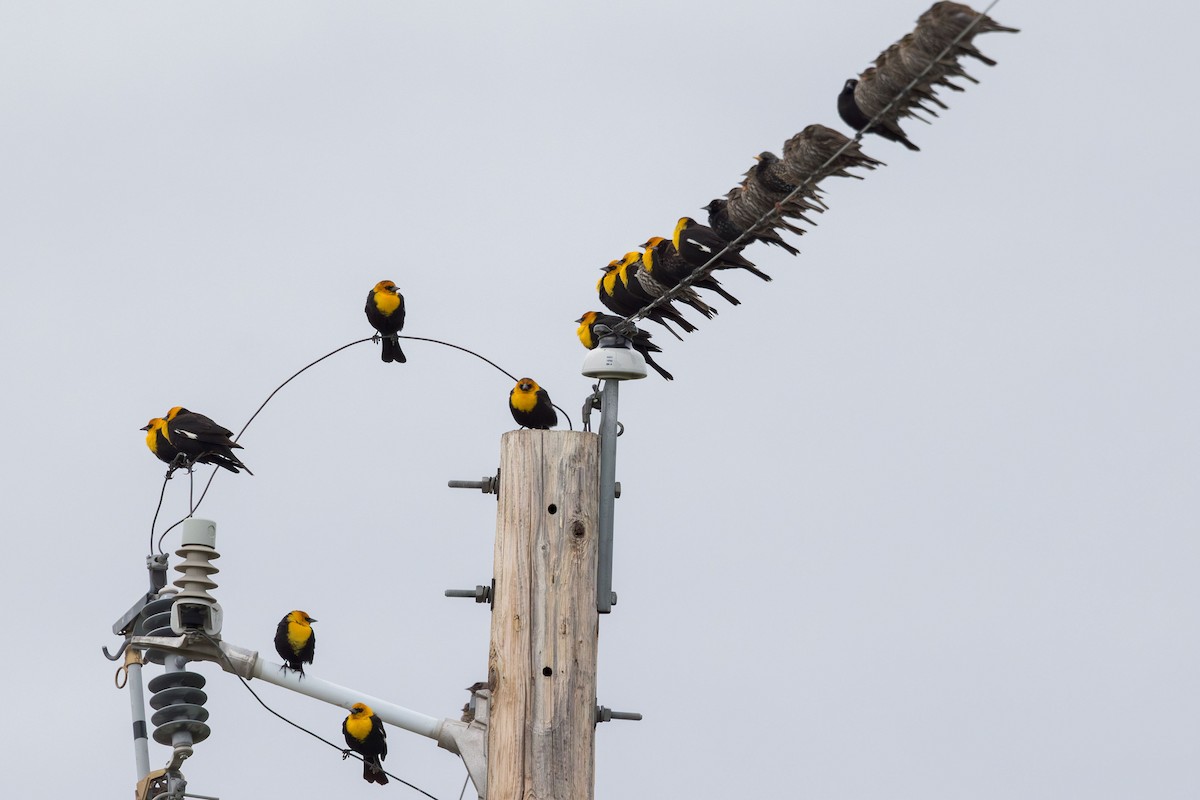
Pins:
x,y
859,102
639,339
202,441
385,312
530,406
366,736
618,296
733,217
156,440
635,266
699,243
664,261
805,156
295,640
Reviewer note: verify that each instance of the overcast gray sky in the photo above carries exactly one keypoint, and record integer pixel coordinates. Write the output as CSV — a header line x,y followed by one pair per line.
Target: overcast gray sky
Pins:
x,y
917,520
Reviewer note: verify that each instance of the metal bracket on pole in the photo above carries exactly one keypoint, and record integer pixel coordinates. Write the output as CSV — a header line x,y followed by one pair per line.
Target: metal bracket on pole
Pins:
x,y
614,360
606,714
608,479
487,485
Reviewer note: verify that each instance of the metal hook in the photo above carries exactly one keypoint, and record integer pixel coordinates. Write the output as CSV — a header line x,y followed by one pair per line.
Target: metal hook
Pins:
x,y
118,654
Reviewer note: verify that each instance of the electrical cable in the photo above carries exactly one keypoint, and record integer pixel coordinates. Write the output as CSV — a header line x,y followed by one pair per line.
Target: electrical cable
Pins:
x,y
570,425
345,753
192,506
627,325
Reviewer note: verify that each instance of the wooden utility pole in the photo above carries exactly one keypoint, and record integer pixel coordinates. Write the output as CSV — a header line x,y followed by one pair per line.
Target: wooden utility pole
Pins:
x,y
542,662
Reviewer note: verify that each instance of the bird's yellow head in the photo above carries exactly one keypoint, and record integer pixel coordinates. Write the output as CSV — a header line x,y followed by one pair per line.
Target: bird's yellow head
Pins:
x,y
526,386
300,618
627,262
679,226
152,428
653,242
584,331
386,286
175,412
360,710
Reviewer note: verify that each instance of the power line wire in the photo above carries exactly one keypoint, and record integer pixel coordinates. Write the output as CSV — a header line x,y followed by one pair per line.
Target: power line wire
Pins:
x,y
345,753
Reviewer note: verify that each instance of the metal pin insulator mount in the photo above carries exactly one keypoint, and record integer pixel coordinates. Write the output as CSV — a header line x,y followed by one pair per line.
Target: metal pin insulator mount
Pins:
x,y
482,594
486,484
606,714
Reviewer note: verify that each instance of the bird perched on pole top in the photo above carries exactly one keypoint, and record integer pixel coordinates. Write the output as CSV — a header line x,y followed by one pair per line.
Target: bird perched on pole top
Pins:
x,y
201,440
530,406
385,312
295,640
366,736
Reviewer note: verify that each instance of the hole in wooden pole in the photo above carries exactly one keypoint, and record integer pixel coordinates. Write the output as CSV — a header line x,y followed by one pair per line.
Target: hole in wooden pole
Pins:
x,y
553,509
547,671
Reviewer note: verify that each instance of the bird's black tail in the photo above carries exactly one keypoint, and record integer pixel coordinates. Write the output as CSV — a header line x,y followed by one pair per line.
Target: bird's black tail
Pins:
x,y
392,351
373,770
654,365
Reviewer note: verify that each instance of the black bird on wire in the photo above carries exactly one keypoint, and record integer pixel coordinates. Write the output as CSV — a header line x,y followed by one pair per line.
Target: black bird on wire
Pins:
x,y
366,736
666,264
385,312
530,406
295,640
640,339
201,440
698,243
625,297
854,116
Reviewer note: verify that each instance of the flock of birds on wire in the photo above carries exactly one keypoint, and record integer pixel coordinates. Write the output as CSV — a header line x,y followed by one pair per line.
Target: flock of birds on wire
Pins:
x,y
780,190
776,190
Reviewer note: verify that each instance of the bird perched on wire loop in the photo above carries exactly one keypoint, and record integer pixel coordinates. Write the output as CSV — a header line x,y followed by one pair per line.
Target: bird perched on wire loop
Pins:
x,y
385,312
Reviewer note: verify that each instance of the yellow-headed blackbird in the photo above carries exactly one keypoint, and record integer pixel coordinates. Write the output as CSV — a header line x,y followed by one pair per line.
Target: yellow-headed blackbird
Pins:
x,y
530,405
385,312
365,735
617,295
640,338
663,260
698,243
295,640
201,440
156,440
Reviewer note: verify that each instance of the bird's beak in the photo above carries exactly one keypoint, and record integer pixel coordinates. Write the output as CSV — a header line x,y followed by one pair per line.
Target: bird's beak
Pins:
x,y
310,619
144,428
578,320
